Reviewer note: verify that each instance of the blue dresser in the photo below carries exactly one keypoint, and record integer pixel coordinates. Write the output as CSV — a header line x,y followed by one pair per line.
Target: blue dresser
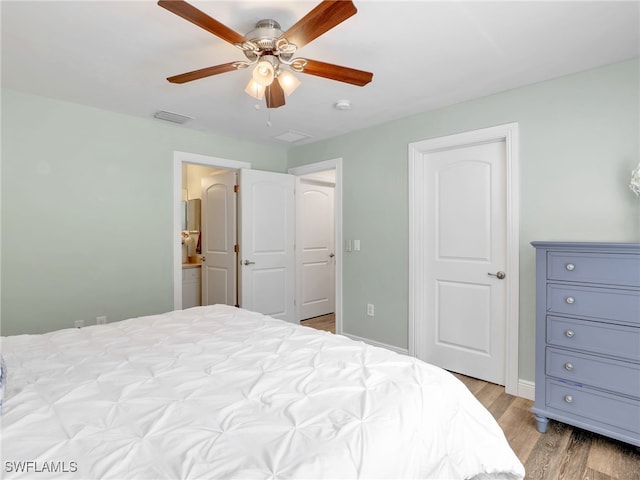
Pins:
x,y
588,337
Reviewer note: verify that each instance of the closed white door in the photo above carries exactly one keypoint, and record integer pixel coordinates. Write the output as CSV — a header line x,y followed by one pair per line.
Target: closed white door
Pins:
x,y
465,258
315,220
267,233
218,240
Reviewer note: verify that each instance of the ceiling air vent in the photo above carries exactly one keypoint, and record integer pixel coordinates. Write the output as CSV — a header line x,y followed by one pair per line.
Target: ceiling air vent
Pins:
x,y
172,117
291,136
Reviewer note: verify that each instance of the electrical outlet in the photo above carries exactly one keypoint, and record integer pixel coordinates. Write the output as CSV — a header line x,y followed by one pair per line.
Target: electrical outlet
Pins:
x,y
101,320
370,309
79,323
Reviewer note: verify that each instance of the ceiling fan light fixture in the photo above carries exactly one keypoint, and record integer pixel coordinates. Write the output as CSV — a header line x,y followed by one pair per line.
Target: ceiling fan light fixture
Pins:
x,y
264,73
255,90
288,81
268,49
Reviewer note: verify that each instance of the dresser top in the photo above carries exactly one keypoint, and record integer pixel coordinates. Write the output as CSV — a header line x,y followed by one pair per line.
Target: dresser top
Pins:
x,y
612,246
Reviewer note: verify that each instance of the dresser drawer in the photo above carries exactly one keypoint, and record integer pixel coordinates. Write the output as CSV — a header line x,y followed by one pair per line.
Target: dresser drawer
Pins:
x,y
601,303
619,412
602,338
608,269
617,376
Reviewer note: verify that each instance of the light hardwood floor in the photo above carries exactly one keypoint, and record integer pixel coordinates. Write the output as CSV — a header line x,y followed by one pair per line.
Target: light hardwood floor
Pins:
x,y
563,453
325,322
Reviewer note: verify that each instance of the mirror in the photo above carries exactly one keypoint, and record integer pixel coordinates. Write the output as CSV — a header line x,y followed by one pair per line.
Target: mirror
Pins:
x,y
183,216
192,215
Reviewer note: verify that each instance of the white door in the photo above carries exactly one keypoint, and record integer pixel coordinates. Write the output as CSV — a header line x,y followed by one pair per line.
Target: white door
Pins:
x,y
315,220
267,234
218,240
465,249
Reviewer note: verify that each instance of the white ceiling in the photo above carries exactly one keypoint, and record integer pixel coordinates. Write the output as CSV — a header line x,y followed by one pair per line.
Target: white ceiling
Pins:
x,y
116,55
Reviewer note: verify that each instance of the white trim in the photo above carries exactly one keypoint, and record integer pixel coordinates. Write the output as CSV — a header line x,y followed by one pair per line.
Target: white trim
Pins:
x,y
186,157
374,343
508,133
526,389
333,164
178,159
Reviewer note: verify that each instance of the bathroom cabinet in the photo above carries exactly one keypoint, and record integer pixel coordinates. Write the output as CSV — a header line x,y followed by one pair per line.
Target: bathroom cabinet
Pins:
x,y
191,286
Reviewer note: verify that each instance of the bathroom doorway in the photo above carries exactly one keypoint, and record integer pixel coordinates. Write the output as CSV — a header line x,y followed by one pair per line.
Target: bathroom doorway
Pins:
x,y
189,169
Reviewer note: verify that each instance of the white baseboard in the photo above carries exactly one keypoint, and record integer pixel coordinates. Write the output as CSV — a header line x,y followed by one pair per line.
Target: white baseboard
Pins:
x,y
374,343
526,389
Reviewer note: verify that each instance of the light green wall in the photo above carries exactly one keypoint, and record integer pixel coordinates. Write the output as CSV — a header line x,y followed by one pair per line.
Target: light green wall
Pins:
x,y
87,216
579,141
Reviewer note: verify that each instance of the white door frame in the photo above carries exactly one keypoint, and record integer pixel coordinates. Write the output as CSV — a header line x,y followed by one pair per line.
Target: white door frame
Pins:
x,y
178,159
417,235
333,164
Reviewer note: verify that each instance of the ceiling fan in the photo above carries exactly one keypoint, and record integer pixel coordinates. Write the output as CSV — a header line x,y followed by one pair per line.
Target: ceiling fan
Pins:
x,y
270,50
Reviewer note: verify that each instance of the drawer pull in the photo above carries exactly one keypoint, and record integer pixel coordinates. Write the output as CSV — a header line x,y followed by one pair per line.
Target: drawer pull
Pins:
x,y
568,366
570,266
570,300
569,333
568,398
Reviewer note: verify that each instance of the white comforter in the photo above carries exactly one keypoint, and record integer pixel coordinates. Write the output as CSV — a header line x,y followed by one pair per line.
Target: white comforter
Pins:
x,y
218,392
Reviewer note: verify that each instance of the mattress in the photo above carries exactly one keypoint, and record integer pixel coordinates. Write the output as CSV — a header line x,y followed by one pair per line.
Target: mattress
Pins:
x,y
219,392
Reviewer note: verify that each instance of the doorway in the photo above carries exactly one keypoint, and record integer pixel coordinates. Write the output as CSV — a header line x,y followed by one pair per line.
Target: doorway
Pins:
x,y
463,253
316,244
180,158
327,177
266,236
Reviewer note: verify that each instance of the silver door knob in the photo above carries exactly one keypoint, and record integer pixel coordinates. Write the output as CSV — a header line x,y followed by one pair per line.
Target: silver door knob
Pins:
x,y
499,275
248,262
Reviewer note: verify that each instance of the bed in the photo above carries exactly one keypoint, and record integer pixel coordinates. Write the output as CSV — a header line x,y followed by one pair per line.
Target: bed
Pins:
x,y
219,392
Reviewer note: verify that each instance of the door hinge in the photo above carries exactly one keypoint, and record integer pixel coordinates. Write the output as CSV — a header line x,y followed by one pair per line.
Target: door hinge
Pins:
x,y
236,248
236,188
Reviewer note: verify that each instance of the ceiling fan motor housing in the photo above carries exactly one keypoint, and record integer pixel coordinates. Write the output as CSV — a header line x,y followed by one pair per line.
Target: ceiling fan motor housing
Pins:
x,y
264,36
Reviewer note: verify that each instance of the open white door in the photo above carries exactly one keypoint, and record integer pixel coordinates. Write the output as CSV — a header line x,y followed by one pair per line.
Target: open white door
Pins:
x,y
218,240
316,269
267,232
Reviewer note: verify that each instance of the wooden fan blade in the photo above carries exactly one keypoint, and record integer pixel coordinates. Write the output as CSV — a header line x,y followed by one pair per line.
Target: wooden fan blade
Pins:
x,y
321,19
336,72
201,19
274,95
202,73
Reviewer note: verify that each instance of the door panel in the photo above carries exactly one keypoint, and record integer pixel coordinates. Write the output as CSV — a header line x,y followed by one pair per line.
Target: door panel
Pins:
x,y
269,283
466,240
267,233
470,211
453,328
316,237
218,239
